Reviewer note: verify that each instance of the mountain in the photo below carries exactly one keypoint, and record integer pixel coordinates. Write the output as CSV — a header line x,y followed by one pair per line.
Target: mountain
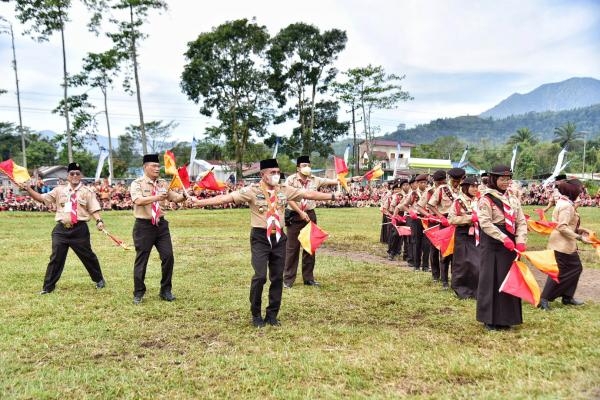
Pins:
x,y
474,129
566,95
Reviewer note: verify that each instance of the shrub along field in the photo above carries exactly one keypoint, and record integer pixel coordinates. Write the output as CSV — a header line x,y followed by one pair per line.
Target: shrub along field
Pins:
x,y
374,329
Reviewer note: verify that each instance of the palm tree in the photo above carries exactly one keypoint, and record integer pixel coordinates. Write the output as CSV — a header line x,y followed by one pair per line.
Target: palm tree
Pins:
x,y
523,135
566,135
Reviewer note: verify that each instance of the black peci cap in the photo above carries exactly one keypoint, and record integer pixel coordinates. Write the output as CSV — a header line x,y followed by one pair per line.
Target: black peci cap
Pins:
x,y
151,158
268,163
73,167
302,160
439,175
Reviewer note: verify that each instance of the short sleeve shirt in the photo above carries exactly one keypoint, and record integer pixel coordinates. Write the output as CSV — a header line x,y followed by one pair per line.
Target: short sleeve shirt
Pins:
x,y
87,203
310,183
255,196
143,187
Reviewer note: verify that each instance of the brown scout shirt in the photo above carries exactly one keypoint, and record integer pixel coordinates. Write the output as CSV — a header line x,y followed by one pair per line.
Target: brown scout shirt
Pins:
x,y
142,187
254,196
441,200
490,216
87,203
457,215
310,183
563,237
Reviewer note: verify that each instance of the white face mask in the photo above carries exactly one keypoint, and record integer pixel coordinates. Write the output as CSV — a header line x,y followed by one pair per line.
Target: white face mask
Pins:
x,y
275,180
305,171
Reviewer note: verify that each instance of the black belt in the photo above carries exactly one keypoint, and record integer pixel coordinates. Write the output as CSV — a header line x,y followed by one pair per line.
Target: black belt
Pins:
x,y
148,220
68,225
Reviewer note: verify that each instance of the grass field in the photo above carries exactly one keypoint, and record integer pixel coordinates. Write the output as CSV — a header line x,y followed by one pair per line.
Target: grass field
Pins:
x,y
371,331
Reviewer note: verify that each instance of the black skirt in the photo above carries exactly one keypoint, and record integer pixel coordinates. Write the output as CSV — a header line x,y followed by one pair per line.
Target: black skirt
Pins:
x,y
465,264
569,271
495,307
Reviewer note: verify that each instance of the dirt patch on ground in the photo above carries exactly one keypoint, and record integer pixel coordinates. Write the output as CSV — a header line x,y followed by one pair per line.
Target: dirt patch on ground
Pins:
x,y
588,288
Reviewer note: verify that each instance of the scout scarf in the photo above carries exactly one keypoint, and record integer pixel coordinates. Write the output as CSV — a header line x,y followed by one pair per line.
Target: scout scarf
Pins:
x,y
71,205
273,221
155,206
509,213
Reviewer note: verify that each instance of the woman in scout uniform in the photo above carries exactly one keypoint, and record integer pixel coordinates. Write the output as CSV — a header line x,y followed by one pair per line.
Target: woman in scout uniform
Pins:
x,y
503,229
466,260
563,240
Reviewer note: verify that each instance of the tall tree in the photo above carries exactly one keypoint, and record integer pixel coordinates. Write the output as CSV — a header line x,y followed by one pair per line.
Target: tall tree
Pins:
x,y
126,41
224,75
523,136
567,134
47,17
157,135
369,89
99,70
301,59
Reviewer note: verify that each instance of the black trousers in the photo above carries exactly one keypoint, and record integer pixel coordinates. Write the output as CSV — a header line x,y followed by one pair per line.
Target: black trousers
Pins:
x,y
440,266
77,238
293,249
264,256
421,245
146,236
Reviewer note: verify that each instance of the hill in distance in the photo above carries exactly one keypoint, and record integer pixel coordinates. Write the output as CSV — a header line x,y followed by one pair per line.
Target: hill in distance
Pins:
x,y
566,95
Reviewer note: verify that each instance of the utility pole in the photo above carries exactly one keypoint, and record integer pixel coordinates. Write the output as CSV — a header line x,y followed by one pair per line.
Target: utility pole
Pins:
x,y
14,63
355,149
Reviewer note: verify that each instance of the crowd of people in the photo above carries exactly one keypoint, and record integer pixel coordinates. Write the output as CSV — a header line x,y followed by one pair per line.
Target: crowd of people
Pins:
x,y
116,196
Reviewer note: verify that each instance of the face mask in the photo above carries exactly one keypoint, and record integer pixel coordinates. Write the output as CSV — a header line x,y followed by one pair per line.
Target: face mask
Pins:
x,y
305,171
275,180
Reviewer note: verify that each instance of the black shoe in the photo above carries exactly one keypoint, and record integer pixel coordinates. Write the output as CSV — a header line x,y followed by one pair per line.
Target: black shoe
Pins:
x,y
445,285
272,321
425,269
100,284
137,299
544,304
312,283
416,269
286,286
569,301
167,296
45,291
490,327
258,322
390,257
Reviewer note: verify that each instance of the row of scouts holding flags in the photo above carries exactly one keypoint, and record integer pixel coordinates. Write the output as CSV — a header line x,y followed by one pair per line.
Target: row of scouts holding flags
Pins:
x,y
491,231
488,234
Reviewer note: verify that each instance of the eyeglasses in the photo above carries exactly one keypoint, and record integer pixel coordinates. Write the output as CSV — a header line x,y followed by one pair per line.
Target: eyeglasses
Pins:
x,y
74,173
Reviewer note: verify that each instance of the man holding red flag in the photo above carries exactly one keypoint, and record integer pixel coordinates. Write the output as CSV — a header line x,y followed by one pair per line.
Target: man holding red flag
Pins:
x,y
297,215
151,229
267,201
75,205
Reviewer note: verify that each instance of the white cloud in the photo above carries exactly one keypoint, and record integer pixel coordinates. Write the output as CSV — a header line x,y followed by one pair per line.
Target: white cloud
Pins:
x,y
461,57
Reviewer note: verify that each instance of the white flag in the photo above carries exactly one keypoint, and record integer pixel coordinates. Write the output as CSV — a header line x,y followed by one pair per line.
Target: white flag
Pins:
x,y
463,158
193,153
514,158
558,167
397,163
347,154
103,156
276,147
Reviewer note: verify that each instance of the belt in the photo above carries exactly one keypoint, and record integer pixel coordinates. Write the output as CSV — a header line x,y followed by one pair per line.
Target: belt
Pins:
x,y
148,219
69,225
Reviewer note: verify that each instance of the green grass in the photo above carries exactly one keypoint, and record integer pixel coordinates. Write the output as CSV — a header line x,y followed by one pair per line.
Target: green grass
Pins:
x,y
373,330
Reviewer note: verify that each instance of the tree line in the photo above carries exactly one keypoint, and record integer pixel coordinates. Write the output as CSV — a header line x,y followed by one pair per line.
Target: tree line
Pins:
x,y
237,73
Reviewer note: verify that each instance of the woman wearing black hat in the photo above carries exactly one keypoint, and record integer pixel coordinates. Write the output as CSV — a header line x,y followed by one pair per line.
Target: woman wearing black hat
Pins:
x,y
563,240
503,229
466,260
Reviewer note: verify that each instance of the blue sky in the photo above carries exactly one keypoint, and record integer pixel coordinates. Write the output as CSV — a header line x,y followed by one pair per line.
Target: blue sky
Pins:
x,y
460,57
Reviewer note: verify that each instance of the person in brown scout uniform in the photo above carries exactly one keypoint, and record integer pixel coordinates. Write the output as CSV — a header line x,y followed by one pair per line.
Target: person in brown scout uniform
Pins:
x,y
563,240
151,229
267,200
439,204
466,259
503,229
75,205
414,205
297,216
